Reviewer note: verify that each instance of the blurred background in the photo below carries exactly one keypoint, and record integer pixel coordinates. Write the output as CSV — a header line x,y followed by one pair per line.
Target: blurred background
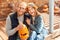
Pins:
x,y
43,8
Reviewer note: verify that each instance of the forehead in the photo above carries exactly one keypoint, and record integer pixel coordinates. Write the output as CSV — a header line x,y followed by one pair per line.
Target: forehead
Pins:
x,y
29,7
24,5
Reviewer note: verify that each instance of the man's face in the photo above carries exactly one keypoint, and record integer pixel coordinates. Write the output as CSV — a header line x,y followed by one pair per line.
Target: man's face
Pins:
x,y
21,9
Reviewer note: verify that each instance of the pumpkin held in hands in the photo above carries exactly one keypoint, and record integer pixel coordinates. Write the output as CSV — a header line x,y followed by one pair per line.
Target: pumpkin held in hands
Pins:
x,y
23,33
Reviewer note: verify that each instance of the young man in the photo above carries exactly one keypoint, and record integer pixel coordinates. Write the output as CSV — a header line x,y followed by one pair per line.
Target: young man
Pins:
x,y
15,20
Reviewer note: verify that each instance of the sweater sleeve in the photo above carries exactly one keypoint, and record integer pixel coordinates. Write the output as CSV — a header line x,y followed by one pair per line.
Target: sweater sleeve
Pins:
x,y
9,31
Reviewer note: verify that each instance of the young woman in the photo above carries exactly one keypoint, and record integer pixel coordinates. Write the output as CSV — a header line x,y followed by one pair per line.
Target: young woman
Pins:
x,y
37,27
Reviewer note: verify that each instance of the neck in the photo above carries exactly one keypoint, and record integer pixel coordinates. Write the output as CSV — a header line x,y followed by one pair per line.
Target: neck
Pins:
x,y
34,16
19,14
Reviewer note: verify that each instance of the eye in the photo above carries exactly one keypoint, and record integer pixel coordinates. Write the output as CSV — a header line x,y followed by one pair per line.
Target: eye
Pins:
x,y
24,34
22,8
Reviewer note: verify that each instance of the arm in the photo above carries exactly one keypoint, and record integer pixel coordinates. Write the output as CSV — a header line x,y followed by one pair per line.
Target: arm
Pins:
x,y
8,27
28,22
33,27
40,24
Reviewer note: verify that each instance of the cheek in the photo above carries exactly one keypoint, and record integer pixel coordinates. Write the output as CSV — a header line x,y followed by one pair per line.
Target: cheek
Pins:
x,y
34,10
23,10
30,13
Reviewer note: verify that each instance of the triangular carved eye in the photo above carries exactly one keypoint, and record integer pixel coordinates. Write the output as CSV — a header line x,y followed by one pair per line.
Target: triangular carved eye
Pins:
x,y
24,34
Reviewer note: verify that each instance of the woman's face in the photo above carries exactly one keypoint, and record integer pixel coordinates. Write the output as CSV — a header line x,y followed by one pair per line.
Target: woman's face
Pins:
x,y
31,11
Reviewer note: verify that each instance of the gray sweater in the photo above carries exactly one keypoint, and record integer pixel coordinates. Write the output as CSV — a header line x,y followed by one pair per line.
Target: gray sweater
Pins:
x,y
10,31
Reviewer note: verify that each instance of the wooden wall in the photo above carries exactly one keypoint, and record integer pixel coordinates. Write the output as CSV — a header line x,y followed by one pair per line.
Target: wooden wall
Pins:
x,y
5,9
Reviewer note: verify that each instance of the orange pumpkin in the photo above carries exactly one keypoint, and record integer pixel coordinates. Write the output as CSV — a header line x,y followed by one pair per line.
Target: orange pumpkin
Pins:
x,y
45,6
56,8
45,10
23,33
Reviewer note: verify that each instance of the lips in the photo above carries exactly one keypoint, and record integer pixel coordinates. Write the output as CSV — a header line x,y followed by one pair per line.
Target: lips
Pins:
x,y
32,13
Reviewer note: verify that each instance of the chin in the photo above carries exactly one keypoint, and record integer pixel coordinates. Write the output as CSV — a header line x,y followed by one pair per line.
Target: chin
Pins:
x,y
20,14
32,14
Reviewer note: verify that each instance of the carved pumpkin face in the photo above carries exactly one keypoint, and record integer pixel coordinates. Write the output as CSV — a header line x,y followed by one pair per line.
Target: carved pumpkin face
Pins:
x,y
23,33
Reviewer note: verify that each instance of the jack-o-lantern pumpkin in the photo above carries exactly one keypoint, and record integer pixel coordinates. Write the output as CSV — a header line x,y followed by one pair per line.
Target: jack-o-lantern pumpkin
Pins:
x,y
23,33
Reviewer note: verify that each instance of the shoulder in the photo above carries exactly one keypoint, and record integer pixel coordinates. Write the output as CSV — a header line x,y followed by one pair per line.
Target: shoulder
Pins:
x,y
11,13
14,14
27,15
39,17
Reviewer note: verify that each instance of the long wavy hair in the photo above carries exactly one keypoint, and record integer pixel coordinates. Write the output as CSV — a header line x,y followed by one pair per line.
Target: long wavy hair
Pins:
x,y
27,15
35,8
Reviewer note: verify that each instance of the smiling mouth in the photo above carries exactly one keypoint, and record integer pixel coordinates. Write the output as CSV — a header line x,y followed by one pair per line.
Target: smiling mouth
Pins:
x,y
32,13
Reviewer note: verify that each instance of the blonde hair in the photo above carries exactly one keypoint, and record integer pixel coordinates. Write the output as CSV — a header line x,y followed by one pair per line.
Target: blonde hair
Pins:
x,y
35,7
32,5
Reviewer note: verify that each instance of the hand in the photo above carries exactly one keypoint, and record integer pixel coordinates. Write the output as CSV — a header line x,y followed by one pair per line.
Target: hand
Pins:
x,y
28,21
19,26
23,39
